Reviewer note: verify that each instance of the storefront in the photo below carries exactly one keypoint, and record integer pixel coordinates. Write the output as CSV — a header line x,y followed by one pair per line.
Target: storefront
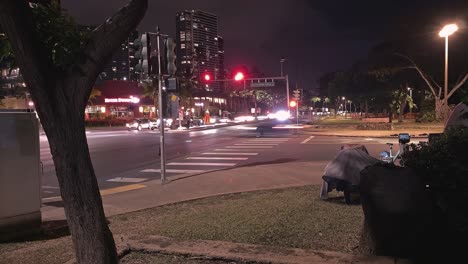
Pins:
x,y
120,99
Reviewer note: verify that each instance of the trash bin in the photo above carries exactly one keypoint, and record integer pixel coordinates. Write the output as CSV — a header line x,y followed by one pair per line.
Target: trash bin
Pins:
x,y
20,183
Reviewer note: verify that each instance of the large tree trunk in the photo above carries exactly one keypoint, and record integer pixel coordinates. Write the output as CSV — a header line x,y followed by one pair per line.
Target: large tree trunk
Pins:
x,y
442,112
60,97
83,206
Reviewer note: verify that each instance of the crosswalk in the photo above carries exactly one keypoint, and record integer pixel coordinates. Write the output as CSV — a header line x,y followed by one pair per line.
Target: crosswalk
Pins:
x,y
215,159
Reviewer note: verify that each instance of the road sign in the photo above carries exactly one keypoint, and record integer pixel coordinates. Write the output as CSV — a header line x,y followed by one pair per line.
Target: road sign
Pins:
x,y
262,83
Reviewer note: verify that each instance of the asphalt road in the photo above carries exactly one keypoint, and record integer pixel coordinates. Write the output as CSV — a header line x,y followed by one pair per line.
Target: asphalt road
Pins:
x,y
123,157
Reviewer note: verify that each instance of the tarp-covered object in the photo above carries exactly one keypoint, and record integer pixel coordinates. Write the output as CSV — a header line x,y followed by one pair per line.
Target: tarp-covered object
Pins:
x,y
345,169
459,116
348,164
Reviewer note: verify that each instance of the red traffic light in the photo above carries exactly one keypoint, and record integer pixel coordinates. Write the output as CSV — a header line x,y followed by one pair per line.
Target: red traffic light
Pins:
x,y
207,77
239,76
292,104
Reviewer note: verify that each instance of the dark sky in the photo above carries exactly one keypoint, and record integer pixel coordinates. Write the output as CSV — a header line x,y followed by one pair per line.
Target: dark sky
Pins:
x,y
314,36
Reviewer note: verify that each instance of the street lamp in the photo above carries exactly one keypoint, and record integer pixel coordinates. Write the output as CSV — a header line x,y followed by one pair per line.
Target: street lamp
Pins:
x,y
344,98
282,61
411,96
445,33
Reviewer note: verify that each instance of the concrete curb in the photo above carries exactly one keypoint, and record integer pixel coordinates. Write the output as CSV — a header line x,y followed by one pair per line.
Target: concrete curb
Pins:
x,y
357,136
242,252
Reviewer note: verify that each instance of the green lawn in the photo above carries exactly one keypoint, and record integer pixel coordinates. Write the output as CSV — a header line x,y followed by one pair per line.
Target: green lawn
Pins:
x,y
292,217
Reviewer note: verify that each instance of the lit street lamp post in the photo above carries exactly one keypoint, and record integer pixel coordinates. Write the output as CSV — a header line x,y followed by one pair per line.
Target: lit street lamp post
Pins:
x,y
445,33
411,96
344,98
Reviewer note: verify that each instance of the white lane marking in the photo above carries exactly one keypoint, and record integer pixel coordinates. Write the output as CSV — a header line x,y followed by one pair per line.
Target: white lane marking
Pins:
x,y
215,158
200,164
257,144
249,147
230,153
307,139
123,179
174,171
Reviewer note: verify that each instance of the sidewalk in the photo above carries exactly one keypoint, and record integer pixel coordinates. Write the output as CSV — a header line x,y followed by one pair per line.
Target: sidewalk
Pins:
x,y
195,186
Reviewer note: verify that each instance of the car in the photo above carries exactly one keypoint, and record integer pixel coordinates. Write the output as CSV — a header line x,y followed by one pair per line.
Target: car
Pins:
x,y
139,124
167,123
196,121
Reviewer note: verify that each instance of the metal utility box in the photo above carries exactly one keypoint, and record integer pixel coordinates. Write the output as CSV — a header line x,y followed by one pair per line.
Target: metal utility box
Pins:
x,y
20,183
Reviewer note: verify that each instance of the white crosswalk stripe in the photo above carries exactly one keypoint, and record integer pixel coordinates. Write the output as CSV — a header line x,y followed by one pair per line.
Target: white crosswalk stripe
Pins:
x,y
239,150
173,171
216,158
123,179
231,153
249,147
201,164
257,144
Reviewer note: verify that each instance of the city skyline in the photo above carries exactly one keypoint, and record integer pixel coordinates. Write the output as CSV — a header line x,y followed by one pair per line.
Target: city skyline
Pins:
x,y
315,38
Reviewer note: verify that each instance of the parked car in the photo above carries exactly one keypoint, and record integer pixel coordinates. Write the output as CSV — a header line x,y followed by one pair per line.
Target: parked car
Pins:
x,y
139,124
196,121
167,123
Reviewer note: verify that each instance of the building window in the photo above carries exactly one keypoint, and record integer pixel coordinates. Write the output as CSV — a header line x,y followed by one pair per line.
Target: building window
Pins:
x,y
182,46
184,62
195,25
182,18
114,69
182,36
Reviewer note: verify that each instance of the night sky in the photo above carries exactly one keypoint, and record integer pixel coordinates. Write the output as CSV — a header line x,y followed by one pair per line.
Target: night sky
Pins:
x,y
315,37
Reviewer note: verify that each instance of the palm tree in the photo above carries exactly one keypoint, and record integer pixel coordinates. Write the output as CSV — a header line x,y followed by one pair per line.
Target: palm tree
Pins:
x,y
326,100
315,99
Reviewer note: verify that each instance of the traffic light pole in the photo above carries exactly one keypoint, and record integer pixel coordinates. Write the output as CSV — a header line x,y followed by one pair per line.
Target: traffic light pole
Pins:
x,y
287,92
161,119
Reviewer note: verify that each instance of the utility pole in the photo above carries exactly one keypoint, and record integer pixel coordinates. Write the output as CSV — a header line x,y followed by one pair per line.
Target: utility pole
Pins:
x,y
161,119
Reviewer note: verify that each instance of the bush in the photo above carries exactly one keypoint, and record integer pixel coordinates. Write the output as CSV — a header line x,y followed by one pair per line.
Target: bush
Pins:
x,y
375,126
443,165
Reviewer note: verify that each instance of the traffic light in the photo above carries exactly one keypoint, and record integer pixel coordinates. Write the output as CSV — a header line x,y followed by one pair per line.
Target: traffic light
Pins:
x,y
171,57
143,54
239,76
292,104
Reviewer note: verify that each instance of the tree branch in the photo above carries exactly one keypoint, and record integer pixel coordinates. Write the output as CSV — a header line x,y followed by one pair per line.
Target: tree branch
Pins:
x,y
423,76
104,40
458,85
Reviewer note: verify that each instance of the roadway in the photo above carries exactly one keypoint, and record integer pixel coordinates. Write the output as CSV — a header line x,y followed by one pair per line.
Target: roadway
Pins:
x,y
123,157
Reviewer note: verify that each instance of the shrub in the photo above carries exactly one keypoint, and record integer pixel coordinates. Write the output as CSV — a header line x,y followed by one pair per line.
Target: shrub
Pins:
x,y
443,165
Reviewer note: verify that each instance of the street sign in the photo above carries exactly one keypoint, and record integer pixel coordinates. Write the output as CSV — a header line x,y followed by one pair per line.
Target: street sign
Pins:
x,y
262,83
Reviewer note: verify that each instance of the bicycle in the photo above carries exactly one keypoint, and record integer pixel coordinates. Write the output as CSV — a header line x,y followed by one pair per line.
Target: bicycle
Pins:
x,y
388,157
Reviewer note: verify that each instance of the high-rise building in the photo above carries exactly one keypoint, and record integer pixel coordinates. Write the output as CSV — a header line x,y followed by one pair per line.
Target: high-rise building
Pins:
x,y
122,64
199,48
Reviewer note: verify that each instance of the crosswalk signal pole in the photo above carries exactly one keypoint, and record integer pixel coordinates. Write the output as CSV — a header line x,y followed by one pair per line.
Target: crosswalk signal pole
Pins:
x,y
161,119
